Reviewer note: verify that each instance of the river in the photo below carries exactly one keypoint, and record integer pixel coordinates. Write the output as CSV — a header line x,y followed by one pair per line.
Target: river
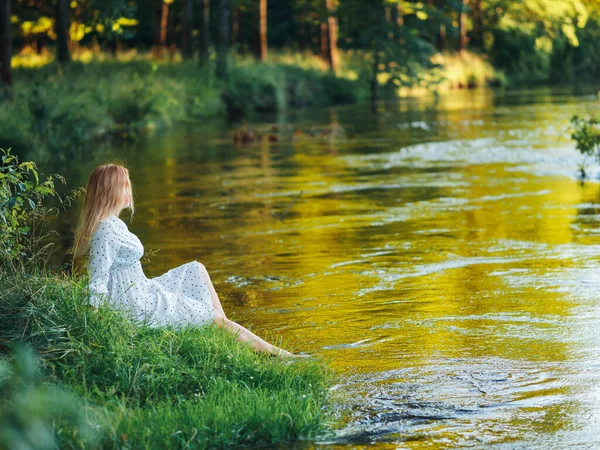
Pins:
x,y
441,255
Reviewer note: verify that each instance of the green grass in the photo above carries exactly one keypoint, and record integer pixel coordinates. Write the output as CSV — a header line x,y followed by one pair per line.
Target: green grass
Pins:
x,y
193,387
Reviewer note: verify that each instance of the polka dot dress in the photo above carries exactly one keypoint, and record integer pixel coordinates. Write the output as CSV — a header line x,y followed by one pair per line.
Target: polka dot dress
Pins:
x,y
179,297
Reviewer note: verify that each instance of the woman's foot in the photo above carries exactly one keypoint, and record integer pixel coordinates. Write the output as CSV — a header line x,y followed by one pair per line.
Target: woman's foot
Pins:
x,y
286,354
300,355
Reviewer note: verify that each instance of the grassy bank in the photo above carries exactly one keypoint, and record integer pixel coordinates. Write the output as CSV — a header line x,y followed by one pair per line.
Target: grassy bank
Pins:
x,y
148,388
61,111
65,112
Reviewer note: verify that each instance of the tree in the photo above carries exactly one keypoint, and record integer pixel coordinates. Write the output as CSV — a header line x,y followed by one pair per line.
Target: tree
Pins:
x,y
442,36
324,41
478,39
263,29
235,25
156,23
164,22
187,48
401,60
462,25
5,43
332,37
204,32
62,31
223,42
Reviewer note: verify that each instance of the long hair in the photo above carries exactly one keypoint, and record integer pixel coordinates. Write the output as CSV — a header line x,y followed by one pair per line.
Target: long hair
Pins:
x,y
103,194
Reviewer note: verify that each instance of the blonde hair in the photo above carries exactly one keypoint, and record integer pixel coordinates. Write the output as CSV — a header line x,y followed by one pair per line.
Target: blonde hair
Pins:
x,y
103,195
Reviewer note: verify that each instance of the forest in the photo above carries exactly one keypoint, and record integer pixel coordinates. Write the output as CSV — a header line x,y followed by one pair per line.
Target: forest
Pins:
x,y
529,42
74,71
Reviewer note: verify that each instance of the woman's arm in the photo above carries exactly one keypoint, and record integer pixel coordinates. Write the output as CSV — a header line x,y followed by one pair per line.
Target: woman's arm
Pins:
x,y
103,250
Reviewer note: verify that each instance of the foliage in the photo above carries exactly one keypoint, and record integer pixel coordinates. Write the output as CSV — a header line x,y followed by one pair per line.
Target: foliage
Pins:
x,y
274,87
532,41
58,113
394,54
33,412
468,70
586,134
22,210
538,41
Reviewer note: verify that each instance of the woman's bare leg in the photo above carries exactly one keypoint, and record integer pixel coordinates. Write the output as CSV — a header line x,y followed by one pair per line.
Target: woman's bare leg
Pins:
x,y
244,335
213,294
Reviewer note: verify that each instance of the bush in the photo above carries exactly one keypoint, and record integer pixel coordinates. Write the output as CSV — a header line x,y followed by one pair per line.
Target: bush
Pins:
x,y
524,55
33,413
269,88
22,210
256,87
586,134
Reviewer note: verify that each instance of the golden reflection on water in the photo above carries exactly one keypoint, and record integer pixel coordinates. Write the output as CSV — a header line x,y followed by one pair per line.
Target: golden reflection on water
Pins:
x,y
424,254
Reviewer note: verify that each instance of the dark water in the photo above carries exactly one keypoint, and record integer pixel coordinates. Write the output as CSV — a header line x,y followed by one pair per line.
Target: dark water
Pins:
x,y
442,255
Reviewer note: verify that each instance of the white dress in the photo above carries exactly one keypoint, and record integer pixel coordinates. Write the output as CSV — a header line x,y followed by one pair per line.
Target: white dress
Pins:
x,y
179,297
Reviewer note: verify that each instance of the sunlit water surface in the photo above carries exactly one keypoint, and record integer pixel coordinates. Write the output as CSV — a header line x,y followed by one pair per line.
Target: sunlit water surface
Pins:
x,y
443,256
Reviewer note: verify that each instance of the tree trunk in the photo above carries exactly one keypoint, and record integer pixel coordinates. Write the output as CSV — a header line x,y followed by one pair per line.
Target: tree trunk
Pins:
x,y
442,34
462,25
223,42
204,30
156,23
5,43
478,25
172,28
62,31
40,43
263,30
302,32
442,38
398,22
235,25
400,12
164,24
332,31
324,41
389,20
187,20
375,81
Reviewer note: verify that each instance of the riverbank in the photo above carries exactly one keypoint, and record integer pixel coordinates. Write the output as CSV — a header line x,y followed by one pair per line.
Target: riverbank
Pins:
x,y
136,387
63,111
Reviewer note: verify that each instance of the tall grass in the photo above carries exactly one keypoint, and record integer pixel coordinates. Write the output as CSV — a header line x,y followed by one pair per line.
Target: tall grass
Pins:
x,y
157,388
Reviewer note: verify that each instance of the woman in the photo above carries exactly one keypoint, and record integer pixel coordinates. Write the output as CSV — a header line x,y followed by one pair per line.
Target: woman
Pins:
x,y
184,295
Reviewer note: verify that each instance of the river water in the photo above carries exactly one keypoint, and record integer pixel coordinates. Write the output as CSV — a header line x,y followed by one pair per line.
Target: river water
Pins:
x,y
442,255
